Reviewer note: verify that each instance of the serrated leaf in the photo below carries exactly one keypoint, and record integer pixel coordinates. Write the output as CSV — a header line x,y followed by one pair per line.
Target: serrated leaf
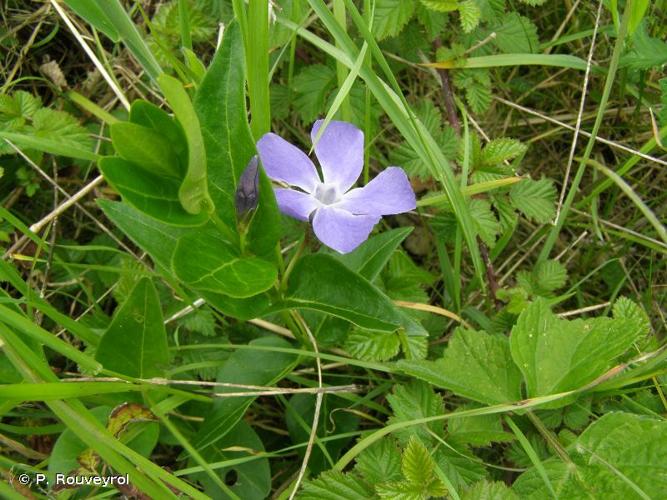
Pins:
x,y
391,16
418,467
476,365
621,455
372,345
499,150
626,309
60,126
535,199
485,221
556,355
441,5
433,21
489,490
334,485
515,34
311,87
201,321
646,52
469,15
380,462
476,83
549,276
412,401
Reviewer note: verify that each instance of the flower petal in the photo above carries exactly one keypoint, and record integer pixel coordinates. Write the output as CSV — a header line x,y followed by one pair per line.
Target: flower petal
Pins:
x,y
340,151
295,203
389,193
341,230
285,162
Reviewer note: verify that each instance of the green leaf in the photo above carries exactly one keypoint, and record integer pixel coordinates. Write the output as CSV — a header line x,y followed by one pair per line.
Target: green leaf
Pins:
x,y
266,226
135,343
626,309
369,258
441,5
48,145
151,193
535,199
336,419
548,276
221,107
621,455
18,107
515,34
418,468
475,365
322,283
149,115
486,224
412,401
159,240
556,355
334,485
489,490
253,478
500,150
391,16
380,462
481,430
262,366
193,193
476,83
311,87
626,454
145,147
469,15
646,52
206,262
372,345
62,127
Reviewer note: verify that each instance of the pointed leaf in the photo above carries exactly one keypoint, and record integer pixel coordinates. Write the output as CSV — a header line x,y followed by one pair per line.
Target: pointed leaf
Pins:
x,y
135,343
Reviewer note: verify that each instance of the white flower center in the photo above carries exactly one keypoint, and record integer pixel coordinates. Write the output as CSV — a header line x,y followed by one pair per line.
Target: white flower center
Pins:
x,y
327,194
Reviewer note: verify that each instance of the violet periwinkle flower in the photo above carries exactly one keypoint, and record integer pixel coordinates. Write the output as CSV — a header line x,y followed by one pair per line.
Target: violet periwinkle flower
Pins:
x,y
342,216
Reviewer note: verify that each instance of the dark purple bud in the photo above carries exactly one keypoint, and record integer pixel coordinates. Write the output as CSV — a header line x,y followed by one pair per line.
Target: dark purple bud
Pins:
x,y
247,192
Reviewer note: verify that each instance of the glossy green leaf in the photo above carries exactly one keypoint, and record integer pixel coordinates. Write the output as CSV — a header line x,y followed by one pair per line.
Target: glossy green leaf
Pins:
x,y
151,193
322,283
220,106
250,367
556,355
476,365
149,115
266,226
206,262
373,254
159,240
193,193
145,147
135,343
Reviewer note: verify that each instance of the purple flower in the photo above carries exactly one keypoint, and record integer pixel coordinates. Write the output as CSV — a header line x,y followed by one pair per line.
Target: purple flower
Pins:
x,y
342,217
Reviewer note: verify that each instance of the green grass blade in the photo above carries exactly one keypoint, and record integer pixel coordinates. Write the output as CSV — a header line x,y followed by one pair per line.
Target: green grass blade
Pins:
x,y
514,60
